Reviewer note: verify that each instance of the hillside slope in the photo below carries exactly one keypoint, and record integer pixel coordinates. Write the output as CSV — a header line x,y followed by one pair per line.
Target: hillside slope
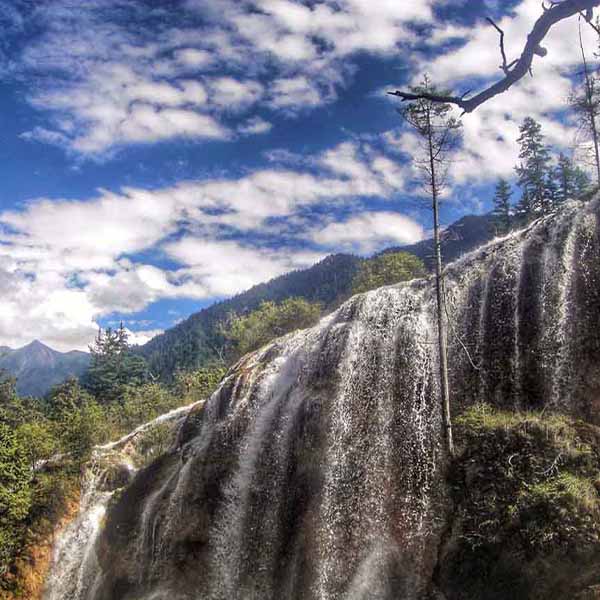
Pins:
x,y
464,235
37,367
195,342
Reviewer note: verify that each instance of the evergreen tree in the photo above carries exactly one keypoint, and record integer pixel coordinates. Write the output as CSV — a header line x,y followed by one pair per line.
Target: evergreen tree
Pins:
x,y
439,134
581,183
565,178
502,205
113,366
15,493
78,418
533,169
552,190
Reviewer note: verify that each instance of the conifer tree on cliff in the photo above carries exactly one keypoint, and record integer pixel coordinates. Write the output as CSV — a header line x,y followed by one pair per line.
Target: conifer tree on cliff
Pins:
x,y
438,135
502,205
534,168
565,173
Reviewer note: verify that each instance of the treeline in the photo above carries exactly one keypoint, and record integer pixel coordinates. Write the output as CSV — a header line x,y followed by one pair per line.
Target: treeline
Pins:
x,y
545,181
243,333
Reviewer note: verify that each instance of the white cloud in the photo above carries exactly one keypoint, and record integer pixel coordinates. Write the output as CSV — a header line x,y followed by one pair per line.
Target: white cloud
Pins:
x,y
295,93
194,58
490,133
64,264
116,79
139,338
370,232
239,267
255,126
231,94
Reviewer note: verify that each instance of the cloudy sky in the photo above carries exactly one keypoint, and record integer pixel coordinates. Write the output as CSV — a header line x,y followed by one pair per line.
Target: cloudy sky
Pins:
x,y
158,155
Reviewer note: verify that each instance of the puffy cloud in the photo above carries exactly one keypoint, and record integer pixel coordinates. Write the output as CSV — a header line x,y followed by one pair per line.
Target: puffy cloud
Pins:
x,y
230,94
118,79
194,58
239,267
139,338
65,264
369,232
255,125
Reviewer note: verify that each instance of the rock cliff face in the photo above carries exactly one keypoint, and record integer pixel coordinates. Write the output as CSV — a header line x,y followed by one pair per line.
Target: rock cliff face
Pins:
x,y
317,471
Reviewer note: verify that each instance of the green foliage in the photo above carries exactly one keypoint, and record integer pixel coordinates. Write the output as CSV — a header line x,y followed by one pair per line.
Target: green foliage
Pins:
x,y
140,404
526,505
582,186
387,269
565,177
63,430
533,170
113,366
15,493
38,440
245,333
198,385
502,208
79,419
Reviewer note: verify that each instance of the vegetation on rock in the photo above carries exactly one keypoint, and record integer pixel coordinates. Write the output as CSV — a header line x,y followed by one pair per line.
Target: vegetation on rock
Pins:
x,y
387,269
526,509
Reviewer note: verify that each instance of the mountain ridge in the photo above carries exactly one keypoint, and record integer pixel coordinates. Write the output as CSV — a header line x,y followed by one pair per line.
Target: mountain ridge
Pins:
x,y
37,367
194,342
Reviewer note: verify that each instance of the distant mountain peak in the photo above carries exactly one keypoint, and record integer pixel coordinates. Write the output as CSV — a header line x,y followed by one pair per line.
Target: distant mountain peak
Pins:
x,y
37,367
36,344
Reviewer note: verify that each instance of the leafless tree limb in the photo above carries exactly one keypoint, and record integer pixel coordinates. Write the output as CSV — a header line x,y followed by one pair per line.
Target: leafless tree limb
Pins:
x,y
504,66
558,11
589,20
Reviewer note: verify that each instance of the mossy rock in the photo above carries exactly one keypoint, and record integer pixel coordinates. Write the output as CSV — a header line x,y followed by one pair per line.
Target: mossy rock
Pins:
x,y
526,518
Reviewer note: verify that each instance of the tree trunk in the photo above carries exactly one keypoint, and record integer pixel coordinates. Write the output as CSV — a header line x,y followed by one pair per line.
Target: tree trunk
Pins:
x,y
589,92
441,306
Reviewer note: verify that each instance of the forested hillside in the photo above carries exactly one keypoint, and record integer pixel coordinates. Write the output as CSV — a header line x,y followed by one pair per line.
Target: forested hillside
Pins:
x,y
197,342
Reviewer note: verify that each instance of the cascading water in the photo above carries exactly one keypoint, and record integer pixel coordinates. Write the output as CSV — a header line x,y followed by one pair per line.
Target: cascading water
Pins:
x,y
315,471
75,567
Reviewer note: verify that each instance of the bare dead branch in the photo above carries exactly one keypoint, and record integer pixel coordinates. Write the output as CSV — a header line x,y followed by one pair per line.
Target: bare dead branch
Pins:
x,y
586,17
504,65
558,11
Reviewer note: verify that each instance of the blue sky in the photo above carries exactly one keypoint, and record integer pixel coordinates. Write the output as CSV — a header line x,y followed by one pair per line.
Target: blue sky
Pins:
x,y
157,156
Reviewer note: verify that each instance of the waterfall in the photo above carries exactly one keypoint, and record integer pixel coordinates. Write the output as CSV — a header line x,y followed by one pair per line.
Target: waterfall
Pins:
x,y
75,566
315,471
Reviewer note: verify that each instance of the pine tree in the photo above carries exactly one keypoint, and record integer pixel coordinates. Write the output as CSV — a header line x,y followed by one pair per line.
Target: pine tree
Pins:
x,y
533,169
502,205
565,178
524,208
113,366
439,134
552,190
581,183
